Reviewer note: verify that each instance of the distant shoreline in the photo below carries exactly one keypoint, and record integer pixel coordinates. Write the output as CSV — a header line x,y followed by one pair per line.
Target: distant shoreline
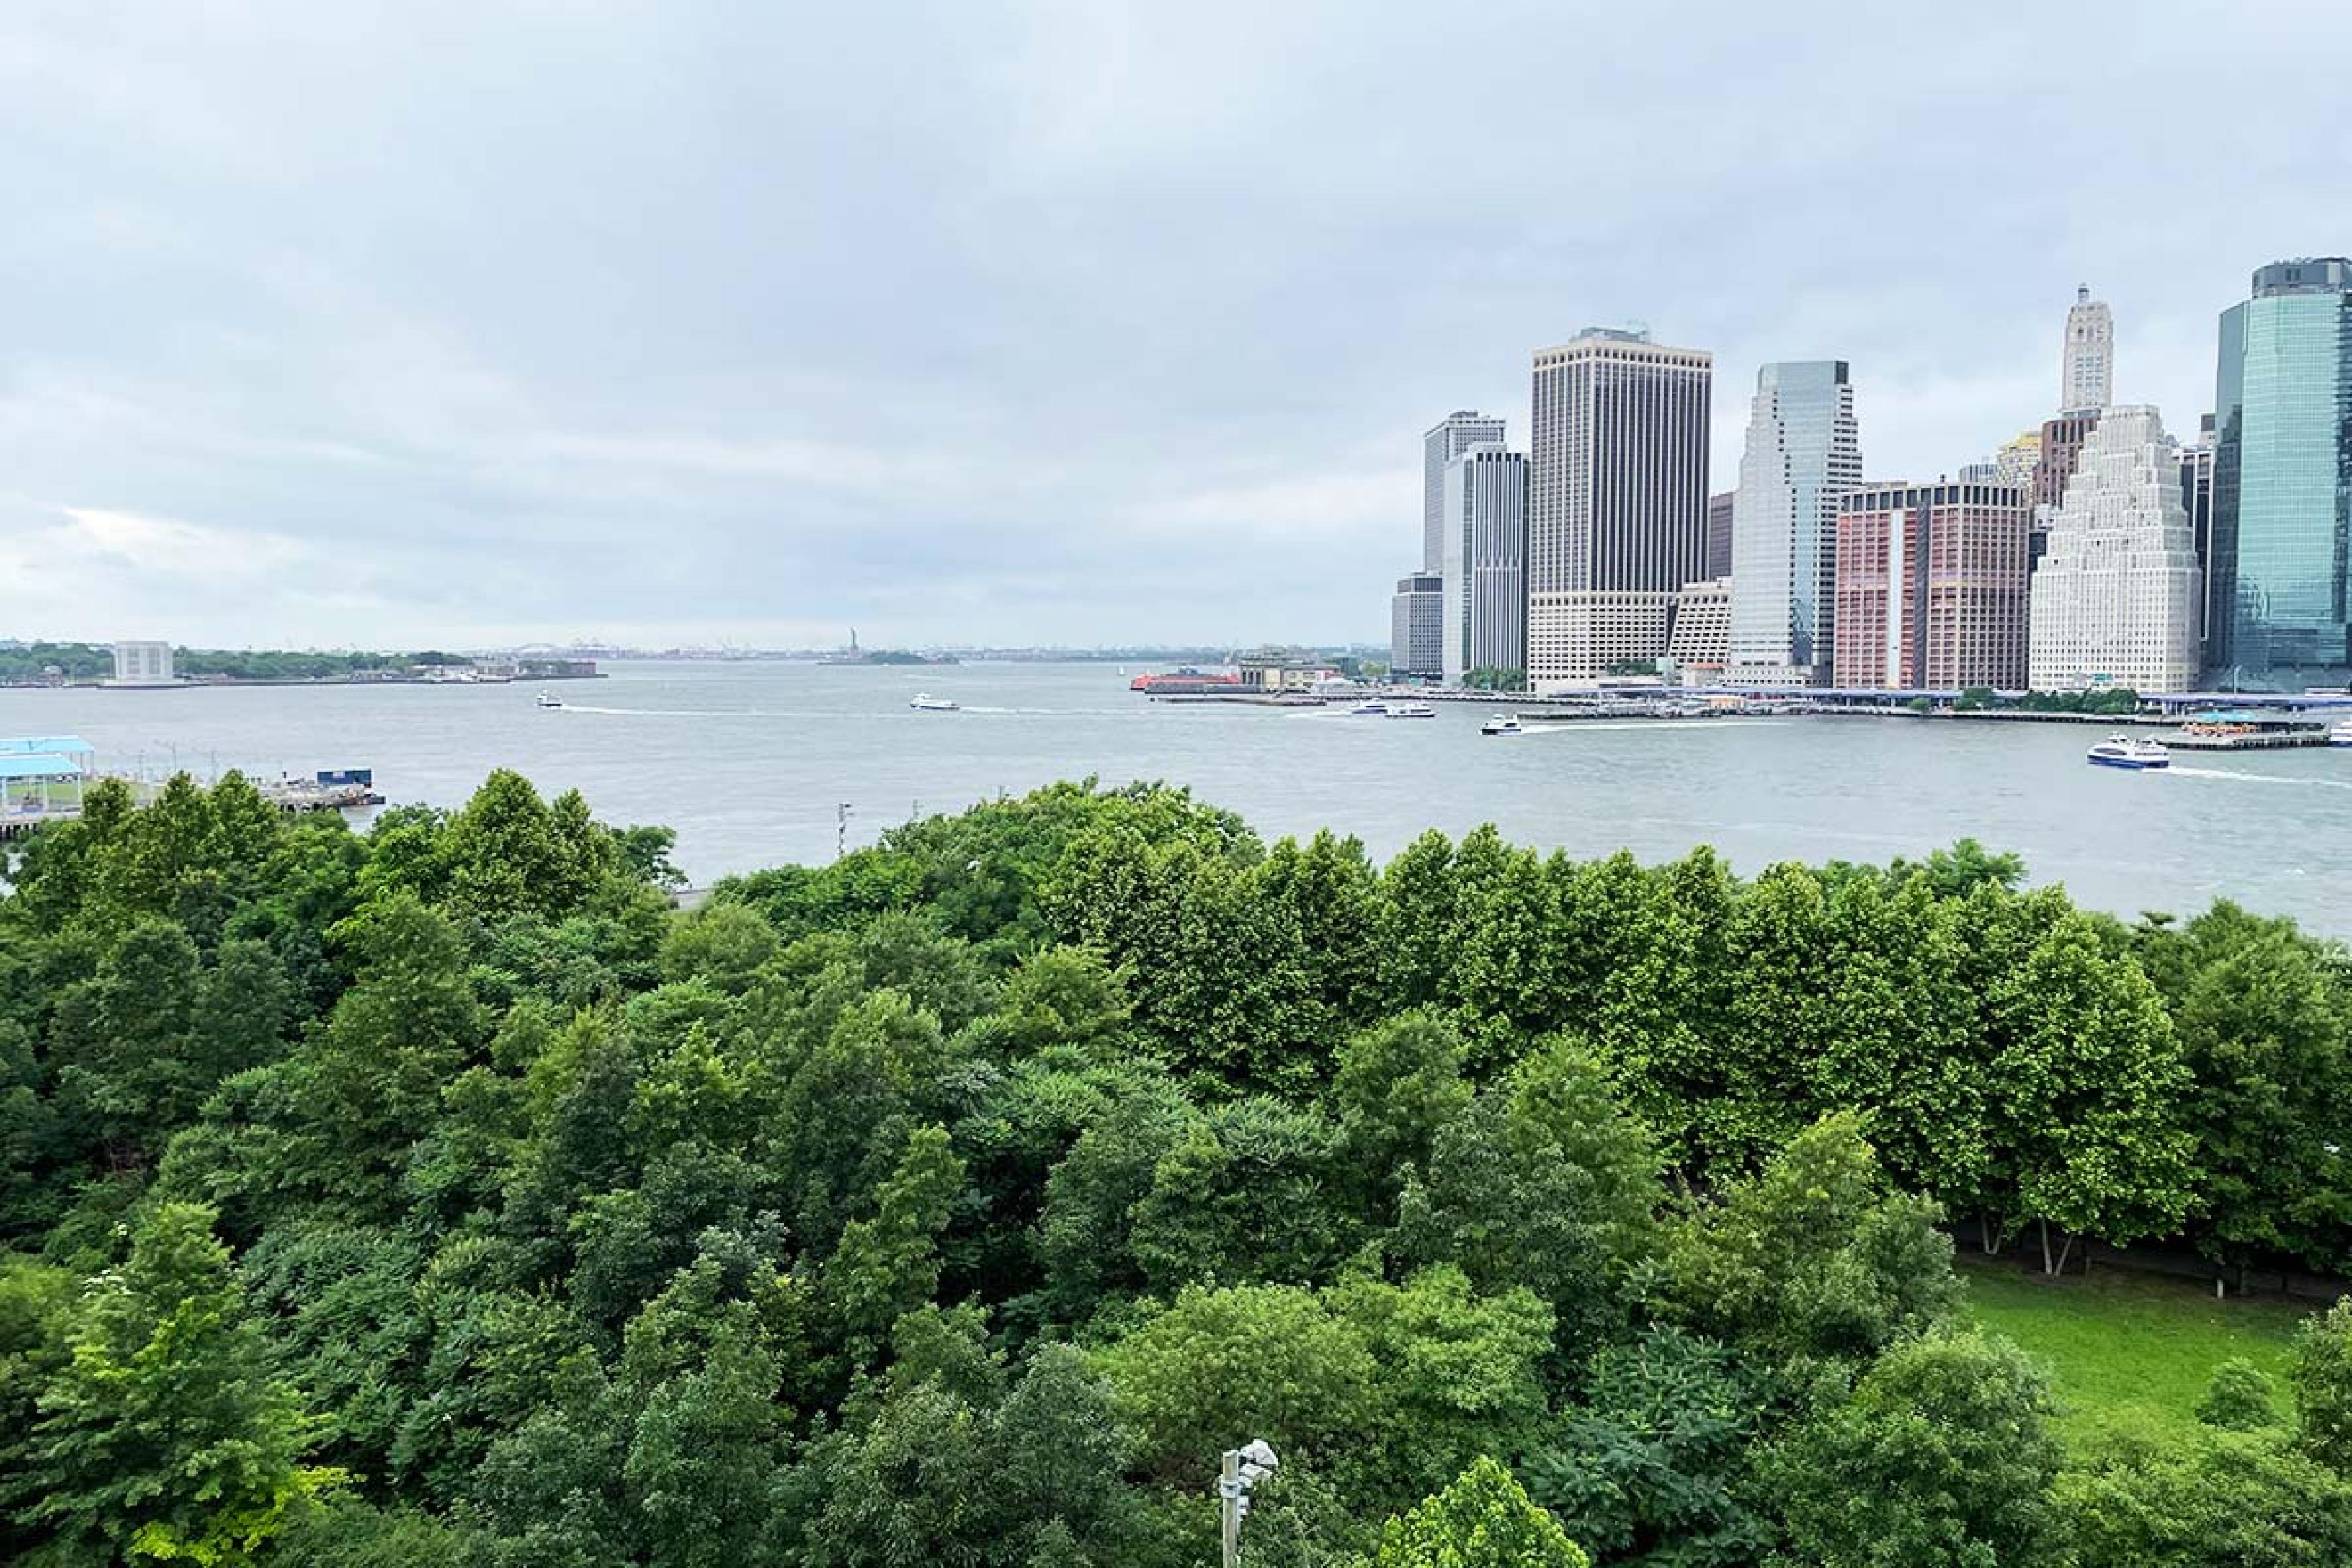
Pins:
x,y
208,683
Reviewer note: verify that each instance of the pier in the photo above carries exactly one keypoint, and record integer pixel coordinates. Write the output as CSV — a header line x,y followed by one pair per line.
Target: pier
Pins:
x,y
2246,740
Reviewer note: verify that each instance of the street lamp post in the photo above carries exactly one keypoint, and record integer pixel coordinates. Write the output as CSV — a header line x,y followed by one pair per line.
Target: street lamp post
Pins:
x,y
1237,1477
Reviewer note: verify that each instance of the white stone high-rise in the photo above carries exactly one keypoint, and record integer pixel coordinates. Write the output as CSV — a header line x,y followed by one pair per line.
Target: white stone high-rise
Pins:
x,y
1803,454
2087,376
2116,596
1446,440
1486,561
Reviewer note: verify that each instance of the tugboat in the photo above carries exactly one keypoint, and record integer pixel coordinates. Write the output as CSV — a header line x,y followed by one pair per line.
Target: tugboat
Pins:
x,y
1503,724
547,699
926,703
2123,751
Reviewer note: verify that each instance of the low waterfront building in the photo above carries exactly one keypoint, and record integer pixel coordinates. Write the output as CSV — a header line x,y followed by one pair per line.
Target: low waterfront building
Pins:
x,y
1417,626
1931,586
2114,596
1700,644
143,664
41,779
1284,669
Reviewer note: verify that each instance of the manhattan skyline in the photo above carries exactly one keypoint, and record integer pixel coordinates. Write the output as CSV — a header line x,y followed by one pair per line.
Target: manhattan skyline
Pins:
x,y
438,327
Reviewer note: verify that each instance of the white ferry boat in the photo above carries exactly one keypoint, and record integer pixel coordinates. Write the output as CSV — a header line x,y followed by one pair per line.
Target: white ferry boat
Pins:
x,y
1503,724
546,700
1375,709
2124,752
926,703
2341,735
1411,710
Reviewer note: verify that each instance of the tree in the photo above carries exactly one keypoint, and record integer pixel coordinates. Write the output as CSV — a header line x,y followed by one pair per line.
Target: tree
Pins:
x,y
1815,1258
1483,1520
1655,1468
888,1264
2087,1087
165,1433
2238,1398
2322,1378
723,942
121,1043
1414,920
372,1079
1956,872
1942,1456
2247,1499
2263,1020
1461,1374
1063,997
1269,1360
942,1475
1398,1083
1243,1196
1543,1183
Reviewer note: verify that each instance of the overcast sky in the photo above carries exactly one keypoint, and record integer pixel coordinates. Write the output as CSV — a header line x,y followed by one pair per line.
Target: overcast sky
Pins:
x,y
422,323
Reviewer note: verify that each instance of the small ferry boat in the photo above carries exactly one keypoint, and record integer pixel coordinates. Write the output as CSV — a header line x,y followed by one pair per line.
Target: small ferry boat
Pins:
x,y
1503,724
2341,735
2124,752
545,699
1411,710
926,703
1375,709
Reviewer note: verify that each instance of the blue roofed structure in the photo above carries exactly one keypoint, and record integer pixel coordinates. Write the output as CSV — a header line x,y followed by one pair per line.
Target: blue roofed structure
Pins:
x,y
52,745
39,765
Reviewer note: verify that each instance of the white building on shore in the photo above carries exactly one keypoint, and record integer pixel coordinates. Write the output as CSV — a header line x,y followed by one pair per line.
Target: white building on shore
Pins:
x,y
143,664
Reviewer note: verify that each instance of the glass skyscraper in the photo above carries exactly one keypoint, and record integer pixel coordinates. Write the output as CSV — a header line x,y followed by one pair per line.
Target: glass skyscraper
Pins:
x,y
2281,526
1803,453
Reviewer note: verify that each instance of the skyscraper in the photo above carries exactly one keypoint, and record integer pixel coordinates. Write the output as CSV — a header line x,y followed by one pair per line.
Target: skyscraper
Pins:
x,y
2015,462
1616,500
1486,591
2114,597
1718,533
1931,586
1803,452
1417,626
2087,376
1446,440
2196,500
2283,481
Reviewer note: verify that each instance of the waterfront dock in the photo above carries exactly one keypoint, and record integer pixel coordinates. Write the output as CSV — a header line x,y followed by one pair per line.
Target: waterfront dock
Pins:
x,y
2249,741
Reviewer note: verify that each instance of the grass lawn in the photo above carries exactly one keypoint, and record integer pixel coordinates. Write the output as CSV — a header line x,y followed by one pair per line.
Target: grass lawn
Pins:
x,y
2126,1350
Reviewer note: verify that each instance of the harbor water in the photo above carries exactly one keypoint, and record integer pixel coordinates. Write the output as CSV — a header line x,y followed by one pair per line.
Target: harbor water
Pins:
x,y
752,762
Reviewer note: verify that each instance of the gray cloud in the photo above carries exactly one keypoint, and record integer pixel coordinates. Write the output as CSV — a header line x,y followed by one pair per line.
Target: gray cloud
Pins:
x,y
434,323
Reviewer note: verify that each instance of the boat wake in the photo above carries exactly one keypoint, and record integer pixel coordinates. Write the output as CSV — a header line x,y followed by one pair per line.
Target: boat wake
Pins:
x,y
2178,771
684,713
1576,724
